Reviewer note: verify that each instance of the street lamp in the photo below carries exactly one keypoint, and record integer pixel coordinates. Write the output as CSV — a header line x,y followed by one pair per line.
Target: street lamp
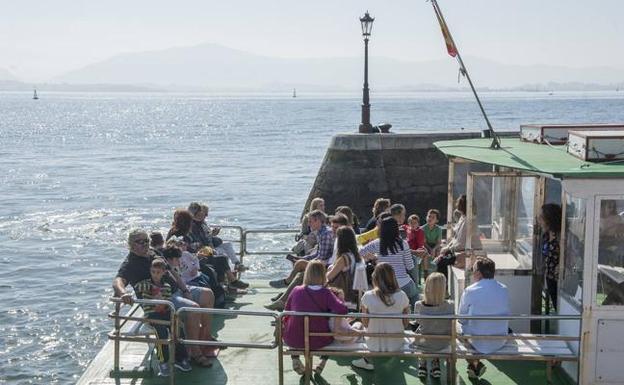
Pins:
x,y
367,26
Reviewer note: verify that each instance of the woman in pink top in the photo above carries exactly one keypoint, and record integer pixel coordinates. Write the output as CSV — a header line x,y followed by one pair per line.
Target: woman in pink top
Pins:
x,y
312,296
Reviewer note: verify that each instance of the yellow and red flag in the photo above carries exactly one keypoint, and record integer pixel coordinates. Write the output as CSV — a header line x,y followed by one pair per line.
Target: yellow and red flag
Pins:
x,y
450,44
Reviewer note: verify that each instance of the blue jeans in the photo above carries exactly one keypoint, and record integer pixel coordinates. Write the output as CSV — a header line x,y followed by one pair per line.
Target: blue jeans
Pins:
x,y
412,291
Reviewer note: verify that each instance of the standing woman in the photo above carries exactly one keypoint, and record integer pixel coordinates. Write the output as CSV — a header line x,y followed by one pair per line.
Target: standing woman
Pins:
x,y
550,222
386,298
341,273
390,248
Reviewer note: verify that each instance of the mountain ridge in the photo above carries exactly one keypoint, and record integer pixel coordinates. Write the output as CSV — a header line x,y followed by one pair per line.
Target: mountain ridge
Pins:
x,y
214,66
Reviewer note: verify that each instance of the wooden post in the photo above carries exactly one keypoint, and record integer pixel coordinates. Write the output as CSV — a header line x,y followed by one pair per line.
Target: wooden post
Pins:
x,y
306,351
117,333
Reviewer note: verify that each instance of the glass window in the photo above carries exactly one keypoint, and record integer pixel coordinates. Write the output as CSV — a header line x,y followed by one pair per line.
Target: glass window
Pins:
x,y
525,200
574,249
610,282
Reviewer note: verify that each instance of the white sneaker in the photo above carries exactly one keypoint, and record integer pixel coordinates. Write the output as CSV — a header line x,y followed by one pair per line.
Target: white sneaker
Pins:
x,y
163,370
362,364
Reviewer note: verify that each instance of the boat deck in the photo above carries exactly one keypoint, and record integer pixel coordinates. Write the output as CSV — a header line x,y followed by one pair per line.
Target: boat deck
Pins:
x,y
259,367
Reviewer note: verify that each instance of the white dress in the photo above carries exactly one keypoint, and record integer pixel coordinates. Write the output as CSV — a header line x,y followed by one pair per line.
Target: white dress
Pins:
x,y
376,325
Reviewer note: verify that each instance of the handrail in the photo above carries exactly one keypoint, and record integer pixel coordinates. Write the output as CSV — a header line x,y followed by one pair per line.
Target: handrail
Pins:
x,y
273,315
453,353
267,231
117,336
277,341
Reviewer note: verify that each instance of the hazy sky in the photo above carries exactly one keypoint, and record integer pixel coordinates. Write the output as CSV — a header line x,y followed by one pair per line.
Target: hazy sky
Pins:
x,y
41,39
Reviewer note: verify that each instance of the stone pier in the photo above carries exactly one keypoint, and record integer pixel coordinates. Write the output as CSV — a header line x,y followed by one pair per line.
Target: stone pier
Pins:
x,y
407,168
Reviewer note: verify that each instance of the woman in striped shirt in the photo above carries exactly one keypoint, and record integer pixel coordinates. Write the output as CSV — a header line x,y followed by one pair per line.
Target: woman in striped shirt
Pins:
x,y
390,248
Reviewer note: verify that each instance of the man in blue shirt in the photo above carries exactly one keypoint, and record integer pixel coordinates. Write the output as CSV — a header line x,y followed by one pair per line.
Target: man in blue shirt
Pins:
x,y
486,296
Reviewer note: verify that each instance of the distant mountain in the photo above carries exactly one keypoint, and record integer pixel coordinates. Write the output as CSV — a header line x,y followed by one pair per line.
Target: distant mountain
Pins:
x,y
210,66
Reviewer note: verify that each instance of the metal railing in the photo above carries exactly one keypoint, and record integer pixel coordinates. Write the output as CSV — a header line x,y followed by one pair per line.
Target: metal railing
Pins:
x,y
121,320
453,354
243,236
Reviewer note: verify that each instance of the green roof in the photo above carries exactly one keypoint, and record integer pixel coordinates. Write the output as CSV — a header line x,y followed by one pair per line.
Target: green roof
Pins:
x,y
524,156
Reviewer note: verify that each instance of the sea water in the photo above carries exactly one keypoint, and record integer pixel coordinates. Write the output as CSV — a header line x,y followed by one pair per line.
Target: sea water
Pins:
x,y
79,170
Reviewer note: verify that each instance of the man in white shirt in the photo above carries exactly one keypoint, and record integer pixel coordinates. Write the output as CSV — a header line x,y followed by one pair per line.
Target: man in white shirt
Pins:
x,y
486,296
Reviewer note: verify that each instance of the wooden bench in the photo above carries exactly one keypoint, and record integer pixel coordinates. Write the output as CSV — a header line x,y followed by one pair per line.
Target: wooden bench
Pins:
x,y
551,349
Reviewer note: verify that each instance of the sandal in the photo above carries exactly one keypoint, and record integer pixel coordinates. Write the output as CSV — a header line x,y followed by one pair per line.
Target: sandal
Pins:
x,y
319,368
298,366
202,361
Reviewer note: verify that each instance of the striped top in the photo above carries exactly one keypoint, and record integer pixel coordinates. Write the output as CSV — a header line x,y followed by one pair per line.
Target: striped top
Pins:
x,y
147,289
401,262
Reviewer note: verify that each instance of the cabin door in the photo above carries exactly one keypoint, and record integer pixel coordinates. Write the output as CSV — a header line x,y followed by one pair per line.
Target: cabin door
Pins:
x,y
605,332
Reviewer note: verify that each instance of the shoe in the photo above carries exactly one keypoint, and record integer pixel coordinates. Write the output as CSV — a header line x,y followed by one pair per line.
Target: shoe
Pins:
x,y
422,371
298,366
183,365
238,284
292,258
435,372
319,368
278,283
276,297
363,364
163,370
475,373
276,305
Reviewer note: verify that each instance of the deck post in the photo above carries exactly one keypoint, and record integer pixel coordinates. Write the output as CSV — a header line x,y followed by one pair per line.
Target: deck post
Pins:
x,y
173,333
280,349
117,333
452,363
306,344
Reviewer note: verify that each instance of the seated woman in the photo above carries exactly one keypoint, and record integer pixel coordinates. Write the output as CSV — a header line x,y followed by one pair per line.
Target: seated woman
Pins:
x,y
380,205
157,243
433,304
351,217
385,298
453,252
390,248
312,296
341,273
186,226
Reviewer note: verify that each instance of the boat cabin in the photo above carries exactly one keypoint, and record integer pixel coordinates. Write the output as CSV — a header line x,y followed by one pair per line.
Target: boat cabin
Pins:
x,y
505,190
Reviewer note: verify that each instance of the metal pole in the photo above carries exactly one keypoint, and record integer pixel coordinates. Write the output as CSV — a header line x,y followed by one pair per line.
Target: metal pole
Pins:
x,y
495,140
365,127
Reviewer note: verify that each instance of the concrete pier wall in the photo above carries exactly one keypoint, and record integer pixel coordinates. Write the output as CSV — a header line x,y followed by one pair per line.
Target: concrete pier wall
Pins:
x,y
407,168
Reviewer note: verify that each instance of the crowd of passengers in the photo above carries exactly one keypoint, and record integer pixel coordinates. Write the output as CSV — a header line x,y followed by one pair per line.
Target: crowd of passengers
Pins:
x,y
336,267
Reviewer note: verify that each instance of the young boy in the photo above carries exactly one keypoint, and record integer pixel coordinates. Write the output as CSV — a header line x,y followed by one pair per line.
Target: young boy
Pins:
x,y
157,288
433,232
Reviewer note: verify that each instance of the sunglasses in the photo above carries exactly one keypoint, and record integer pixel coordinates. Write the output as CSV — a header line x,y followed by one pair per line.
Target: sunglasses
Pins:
x,y
142,241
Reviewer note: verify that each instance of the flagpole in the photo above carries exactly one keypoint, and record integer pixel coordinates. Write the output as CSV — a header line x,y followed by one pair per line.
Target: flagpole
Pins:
x,y
495,139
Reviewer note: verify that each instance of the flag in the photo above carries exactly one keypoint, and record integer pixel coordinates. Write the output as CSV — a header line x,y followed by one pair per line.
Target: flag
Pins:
x,y
450,44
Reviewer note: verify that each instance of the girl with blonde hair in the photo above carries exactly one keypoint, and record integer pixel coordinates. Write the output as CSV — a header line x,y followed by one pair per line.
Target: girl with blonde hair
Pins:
x,y
385,298
434,303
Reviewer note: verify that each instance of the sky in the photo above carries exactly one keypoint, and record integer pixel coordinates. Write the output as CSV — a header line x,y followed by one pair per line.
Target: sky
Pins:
x,y
42,39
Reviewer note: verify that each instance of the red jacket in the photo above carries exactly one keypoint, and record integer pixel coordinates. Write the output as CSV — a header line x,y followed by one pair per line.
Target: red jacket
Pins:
x,y
415,237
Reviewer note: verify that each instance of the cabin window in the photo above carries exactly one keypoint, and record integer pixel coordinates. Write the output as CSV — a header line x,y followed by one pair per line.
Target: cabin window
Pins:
x,y
610,282
574,249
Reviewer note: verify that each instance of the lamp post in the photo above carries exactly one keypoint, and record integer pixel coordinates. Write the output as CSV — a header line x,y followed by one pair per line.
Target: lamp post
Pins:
x,y
367,26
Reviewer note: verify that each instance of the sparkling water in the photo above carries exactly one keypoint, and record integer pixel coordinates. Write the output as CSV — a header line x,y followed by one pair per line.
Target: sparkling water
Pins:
x,y
79,170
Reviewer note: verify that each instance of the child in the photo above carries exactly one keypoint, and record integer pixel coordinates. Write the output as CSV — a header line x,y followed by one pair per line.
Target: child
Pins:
x,y
156,288
433,304
433,233
415,235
